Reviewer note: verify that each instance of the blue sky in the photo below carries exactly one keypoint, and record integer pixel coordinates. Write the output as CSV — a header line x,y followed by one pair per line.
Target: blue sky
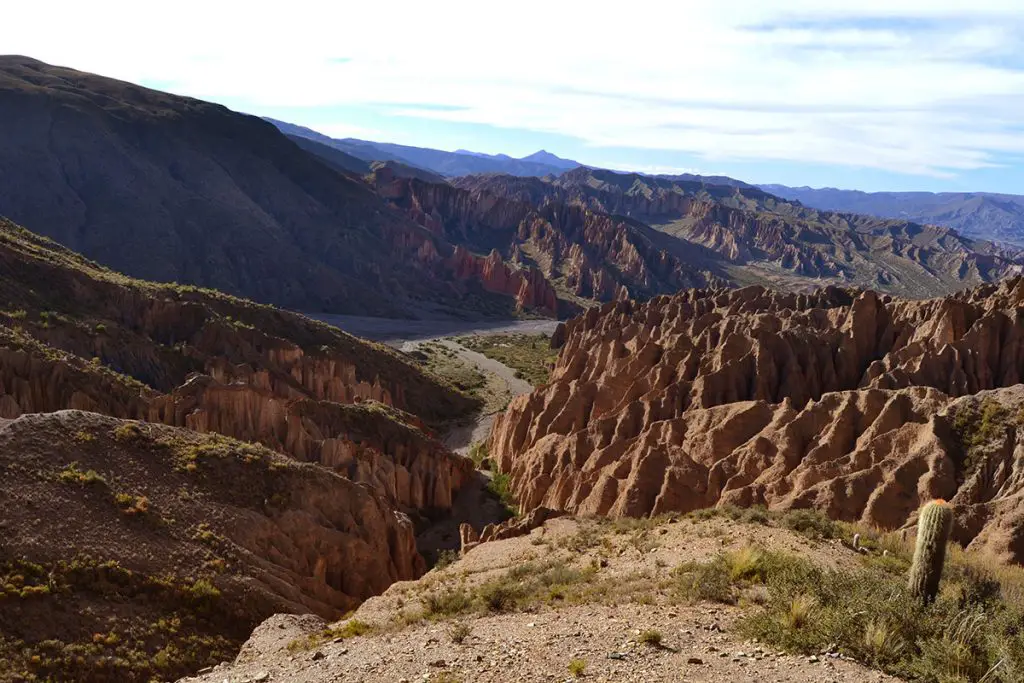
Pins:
x,y
873,95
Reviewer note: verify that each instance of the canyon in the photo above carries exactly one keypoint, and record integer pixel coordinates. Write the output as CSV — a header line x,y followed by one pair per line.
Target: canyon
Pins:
x,y
182,463
138,179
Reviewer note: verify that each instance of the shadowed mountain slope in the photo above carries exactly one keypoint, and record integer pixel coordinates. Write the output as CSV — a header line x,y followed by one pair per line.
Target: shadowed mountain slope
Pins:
x,y
169,188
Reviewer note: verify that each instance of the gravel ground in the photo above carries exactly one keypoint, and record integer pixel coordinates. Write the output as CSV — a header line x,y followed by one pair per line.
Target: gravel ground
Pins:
x,y
537,648
698,641
395,331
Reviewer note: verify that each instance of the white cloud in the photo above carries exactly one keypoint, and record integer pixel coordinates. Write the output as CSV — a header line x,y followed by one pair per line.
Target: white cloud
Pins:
x,y
911,86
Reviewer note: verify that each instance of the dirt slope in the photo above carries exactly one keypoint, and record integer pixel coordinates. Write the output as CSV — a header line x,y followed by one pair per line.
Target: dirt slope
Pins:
x,y
600,625
171,546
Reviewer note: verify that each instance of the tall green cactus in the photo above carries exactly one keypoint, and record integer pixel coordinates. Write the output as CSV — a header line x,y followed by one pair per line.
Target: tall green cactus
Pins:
x,y
933,526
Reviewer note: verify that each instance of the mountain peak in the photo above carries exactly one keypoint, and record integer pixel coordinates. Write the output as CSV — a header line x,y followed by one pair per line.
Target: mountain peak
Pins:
x,y
545,157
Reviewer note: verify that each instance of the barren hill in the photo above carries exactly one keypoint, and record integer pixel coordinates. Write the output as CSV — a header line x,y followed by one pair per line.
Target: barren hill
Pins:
x,y
843,401
174,189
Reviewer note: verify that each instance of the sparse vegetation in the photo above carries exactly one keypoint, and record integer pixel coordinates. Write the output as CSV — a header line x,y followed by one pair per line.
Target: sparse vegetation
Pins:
x,y
530,355
349,629
479,455
448,602
810,523
972,627
72,475
132,505
445,363
459,632
446,558
500,486
129,433
650,637
185,638
979,428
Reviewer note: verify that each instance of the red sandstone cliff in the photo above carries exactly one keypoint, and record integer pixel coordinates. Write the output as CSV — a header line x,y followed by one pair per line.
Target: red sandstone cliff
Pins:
x,y
745,235
582,254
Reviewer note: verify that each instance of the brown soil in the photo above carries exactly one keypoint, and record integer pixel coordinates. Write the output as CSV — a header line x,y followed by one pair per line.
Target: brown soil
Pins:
x,y
699,642
132,551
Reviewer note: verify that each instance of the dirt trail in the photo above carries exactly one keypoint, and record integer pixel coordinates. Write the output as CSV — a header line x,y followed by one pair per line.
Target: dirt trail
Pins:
x,y
473,504
395,331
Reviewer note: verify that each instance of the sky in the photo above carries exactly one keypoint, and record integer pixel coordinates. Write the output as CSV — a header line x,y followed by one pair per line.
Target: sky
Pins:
x,y
871,95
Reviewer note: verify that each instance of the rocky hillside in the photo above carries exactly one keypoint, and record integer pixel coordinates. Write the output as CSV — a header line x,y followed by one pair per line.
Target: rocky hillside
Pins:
x,y
170,538
715,596
134,551
982,215
173,189
854,403
76,335
567,256
748,236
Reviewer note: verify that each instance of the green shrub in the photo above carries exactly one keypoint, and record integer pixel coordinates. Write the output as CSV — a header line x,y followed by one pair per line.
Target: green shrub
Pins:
x,y
709,581
577,667
459,632
447,602
810,523
479,454
72,475
500,595
500,486
650,637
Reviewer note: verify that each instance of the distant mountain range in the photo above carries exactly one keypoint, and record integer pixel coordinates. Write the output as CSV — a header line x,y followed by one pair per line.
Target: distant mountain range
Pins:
x,y
985,215
175,189
449,164
982,215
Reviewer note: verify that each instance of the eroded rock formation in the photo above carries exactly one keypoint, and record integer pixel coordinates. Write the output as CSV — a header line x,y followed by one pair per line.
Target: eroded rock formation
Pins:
x,y
556,246
724,227
840,400
212,363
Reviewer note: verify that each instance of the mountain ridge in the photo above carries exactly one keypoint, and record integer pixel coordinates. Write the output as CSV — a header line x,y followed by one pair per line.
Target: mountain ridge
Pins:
x,y
986,215
174,189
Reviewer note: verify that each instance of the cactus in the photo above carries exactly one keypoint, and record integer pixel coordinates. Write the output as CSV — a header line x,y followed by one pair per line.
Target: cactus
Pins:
x,y
933,526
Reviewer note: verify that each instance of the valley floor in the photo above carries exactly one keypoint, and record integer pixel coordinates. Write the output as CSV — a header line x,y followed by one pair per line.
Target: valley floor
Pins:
x,y
395,331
